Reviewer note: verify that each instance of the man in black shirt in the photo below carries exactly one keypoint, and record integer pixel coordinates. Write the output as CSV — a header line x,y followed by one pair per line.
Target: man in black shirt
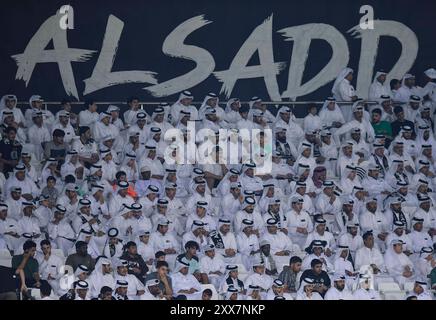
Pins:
x,y
10,151
137,265
401,122
321,278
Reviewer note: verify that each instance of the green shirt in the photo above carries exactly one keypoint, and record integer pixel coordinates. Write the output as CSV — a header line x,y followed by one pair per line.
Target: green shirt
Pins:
x,y
383,128
30,268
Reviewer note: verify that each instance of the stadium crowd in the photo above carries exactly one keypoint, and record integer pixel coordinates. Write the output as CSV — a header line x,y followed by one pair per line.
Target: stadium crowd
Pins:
x,y
346,210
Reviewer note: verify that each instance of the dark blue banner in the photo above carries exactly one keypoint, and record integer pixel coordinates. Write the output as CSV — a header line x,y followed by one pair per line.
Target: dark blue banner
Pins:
x,y
278,50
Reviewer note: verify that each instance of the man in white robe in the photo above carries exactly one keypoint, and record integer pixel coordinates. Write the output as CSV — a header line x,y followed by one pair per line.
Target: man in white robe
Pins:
x,y
212,265
185,283
343,90
338,291
100,277
378,87
398,265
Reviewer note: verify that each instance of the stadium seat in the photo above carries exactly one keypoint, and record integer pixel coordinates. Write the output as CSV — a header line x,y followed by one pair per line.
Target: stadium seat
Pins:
x,y
388,286
394,295
211,287
391,291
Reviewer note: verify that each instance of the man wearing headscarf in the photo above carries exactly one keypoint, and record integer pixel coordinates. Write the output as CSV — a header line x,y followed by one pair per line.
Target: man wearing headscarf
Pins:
x,y
376,187
304,188
140,127
225,242
60,231
9,103
29,223
282,145
373,219
344,91
258,277
211,100
420,290
247,242
315,252
256,103
306,290
427,213
104,127
121,198
395,213
352,239
29,190
121,287
185,283
347,157
249,180
280,244
231,280
9,229
339,290
397,153
398,265
426,263
183,104
328,202
152,291
329,151
162,240
357,120
419,238
286,119
248,212
231,113
81,291
278,290
407,89
38,134
101,276
364,291
63,123
35,103
378,87
331,115
135,288
212,265
113,248
299,222
200,213
231,201
158,119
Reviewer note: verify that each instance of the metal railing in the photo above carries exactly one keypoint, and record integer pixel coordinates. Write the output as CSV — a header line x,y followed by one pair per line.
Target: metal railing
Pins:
x,y
145,103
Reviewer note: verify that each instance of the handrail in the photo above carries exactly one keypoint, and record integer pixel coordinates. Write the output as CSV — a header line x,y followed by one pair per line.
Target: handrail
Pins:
x,y
145,103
